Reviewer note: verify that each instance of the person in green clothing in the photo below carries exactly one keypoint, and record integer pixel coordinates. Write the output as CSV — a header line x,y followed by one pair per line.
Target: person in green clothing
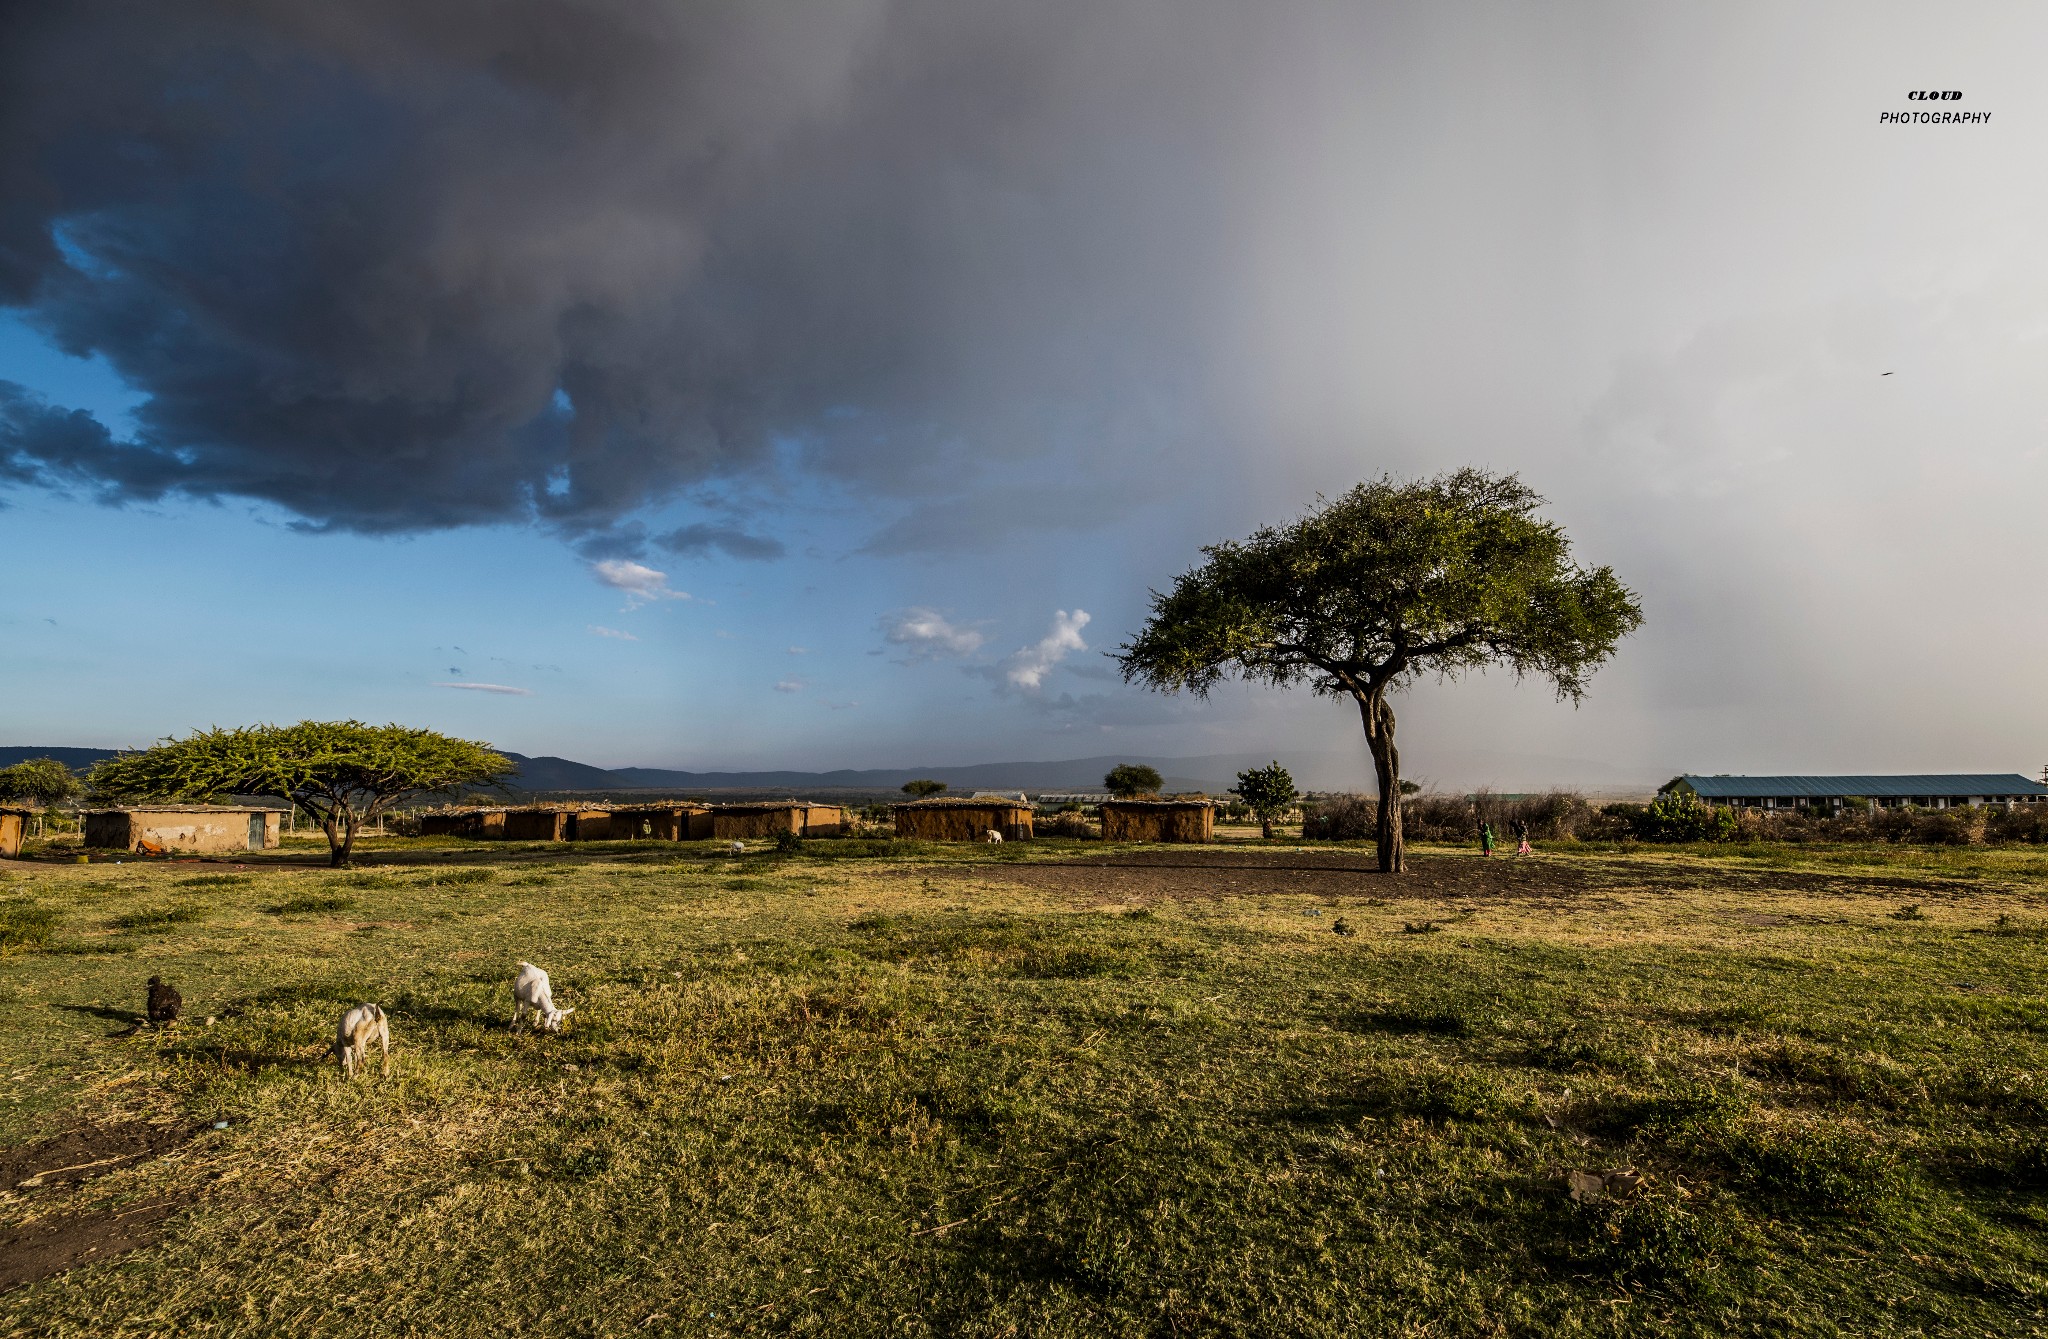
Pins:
x,y
1485,837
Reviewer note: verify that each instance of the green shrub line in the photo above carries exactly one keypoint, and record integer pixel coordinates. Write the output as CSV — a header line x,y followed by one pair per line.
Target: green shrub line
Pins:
x,y
1674,818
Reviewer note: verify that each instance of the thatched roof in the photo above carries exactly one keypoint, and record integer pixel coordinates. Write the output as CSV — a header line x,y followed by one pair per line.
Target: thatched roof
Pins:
x,y
1155,803
183,809
966,802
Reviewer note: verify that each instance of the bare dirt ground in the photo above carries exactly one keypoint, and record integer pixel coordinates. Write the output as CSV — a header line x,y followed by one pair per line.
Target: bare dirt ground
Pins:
x,y
1200,873
50,1245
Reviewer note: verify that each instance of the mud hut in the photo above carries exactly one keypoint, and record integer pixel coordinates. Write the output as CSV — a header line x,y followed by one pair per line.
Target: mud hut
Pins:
x,y
202,829
741,822
476,824
961,819
588,825
13,823
546,822
1158,820
665,822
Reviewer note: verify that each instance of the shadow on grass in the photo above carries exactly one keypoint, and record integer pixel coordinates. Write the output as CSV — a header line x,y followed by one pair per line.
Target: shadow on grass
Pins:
x,y
131,1018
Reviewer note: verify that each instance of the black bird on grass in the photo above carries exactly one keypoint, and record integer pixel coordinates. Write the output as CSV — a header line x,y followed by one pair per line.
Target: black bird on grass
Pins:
x,y
164,1001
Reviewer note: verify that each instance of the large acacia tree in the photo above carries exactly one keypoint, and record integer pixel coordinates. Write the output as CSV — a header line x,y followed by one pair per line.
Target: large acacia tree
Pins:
x,y
1387,583
344,773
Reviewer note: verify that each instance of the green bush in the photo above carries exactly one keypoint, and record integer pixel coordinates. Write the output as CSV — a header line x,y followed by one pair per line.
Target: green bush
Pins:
x,y
158,918
302,903
1660,1236
1441,1093
2021,823
462,877
1570,1051
1825,1168
1341,818
1675,816
26,925
1687,1117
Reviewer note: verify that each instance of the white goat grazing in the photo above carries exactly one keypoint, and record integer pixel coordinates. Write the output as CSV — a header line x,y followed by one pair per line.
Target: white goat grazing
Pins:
x,y
359,1027
735,848
994,838
530,990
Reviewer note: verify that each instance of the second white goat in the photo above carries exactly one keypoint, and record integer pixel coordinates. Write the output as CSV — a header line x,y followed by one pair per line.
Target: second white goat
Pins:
x,y
530,991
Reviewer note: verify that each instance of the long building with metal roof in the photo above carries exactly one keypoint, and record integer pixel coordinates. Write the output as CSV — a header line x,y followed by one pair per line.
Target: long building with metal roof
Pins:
x,y
1921,790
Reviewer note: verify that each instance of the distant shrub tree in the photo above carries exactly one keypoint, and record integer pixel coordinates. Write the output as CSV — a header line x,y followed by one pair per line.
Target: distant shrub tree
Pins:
x,y
1132,778
1390,582
922,787
1341,818
1268,792
343,773
38,781
1677,816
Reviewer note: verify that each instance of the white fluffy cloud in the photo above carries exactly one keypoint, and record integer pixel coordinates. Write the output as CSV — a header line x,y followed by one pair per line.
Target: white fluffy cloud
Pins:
x,y
925,632
790,686
1026,669
598,631
640,582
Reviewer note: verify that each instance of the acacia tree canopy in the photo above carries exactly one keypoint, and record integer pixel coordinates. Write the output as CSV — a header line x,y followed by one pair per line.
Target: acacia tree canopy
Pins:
x,y
1389,582
344,773
923,786
43,781
1132,778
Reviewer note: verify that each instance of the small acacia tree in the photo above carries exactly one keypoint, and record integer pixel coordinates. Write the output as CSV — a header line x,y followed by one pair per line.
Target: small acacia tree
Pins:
x,y
1389,582
344,773
38,781
1267,791
1132,778
922,788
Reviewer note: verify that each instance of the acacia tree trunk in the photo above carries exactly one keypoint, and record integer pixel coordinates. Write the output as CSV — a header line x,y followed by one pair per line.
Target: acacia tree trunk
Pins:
x,y
349,823
339,823
1386,761
1266,825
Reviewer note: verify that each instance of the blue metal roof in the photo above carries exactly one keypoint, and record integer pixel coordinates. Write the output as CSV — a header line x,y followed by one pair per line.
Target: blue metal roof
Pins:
x,y
1947,785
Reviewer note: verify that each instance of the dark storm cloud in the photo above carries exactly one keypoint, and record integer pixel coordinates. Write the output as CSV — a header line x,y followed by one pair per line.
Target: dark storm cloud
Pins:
x,y
398,266
694,541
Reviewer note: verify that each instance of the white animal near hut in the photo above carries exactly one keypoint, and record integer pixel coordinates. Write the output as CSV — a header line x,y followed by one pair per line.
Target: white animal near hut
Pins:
x,y
531,992
359,1027
994,838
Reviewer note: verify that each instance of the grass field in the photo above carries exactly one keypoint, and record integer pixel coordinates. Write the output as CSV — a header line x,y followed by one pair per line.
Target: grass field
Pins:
x,y
888,1090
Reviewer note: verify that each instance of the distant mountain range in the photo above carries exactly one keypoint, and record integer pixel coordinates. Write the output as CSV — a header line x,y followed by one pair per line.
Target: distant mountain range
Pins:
x,y
1213,773
76,759
1454,770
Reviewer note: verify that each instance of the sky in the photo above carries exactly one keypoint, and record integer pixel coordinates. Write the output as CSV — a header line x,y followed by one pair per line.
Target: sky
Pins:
x,y
738,386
